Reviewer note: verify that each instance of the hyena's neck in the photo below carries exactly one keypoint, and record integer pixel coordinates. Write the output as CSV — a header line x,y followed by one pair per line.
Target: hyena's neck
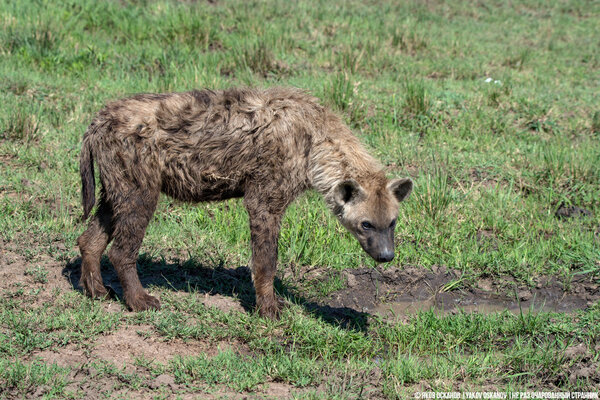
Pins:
x,y
338,156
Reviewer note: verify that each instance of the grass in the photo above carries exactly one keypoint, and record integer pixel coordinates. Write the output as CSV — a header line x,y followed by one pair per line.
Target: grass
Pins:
x,y
39,274
411,78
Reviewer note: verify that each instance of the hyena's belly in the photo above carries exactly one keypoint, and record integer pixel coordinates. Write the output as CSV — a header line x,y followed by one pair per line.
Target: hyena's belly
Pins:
x,y
201,186
205,166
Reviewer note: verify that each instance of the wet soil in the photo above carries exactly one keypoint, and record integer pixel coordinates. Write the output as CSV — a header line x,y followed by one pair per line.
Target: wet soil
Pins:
x,y
402,291
565,212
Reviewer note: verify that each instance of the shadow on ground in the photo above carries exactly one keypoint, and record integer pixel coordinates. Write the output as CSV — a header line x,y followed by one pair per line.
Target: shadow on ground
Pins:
x,y
391,293
193,276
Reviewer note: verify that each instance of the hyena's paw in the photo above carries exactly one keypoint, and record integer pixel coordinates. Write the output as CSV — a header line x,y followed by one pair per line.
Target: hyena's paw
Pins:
x,y
93,287
142,301
271,308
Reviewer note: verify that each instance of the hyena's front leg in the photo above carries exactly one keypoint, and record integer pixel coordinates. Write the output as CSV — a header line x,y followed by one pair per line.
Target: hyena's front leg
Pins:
x,y
264,234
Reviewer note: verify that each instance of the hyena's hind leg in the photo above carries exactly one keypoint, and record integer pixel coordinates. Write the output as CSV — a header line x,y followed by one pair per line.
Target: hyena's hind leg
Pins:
x,y
130,222
92,244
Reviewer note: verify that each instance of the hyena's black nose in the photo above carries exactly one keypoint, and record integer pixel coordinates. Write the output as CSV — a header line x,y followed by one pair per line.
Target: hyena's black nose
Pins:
x,y
385,256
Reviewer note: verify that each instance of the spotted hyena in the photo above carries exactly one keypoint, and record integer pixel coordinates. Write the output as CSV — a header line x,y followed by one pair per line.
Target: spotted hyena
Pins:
x,y
266,146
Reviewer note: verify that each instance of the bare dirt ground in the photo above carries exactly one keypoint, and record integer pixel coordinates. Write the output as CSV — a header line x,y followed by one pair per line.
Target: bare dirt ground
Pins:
x,y
391,293
123,347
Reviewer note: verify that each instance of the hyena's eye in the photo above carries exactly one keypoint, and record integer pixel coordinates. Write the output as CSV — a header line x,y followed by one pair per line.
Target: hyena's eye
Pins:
x,y
367,226
393,224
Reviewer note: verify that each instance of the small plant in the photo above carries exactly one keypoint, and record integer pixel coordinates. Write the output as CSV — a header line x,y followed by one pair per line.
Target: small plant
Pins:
x,y
497,91
416,101
256,57
39,274
408,41
542,125
434,195
340,93
596,122
494,98
44,39
20,126
351,60
518,60
16,87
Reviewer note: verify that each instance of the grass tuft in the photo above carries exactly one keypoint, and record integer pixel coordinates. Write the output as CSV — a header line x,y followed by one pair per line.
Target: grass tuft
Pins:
x,y
408,41
416,101
518,60
434,194
256,57
342,94
21,125
596,122
26,378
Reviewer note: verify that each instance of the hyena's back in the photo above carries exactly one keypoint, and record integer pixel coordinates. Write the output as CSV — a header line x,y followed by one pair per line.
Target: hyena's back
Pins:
x,y
203,145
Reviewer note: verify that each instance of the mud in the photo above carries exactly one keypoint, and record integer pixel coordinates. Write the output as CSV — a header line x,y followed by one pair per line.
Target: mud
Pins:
x,y
580,364
564,212
126,345
403,291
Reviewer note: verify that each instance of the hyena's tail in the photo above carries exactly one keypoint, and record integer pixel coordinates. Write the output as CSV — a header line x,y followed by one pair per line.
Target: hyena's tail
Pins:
x,y
86,170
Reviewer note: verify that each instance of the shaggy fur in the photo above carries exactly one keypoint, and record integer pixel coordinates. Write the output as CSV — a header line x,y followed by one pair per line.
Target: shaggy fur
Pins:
x,y
267,146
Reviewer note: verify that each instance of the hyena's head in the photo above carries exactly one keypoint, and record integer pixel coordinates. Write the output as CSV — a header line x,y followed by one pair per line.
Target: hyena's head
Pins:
x,y
369,211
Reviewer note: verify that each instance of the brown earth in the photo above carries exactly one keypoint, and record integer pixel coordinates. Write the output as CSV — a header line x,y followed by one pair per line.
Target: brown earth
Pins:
x,y
122,347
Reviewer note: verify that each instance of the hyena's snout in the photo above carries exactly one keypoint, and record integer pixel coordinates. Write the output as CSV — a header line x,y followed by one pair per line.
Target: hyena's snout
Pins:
x,y
386,255
379,246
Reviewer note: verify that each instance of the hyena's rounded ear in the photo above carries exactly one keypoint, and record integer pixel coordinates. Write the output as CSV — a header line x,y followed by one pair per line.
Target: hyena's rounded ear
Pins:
x,y
401,188
347,191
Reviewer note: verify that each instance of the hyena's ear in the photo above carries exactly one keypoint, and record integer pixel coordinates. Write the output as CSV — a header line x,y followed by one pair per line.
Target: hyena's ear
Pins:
x,y
347,191
400,188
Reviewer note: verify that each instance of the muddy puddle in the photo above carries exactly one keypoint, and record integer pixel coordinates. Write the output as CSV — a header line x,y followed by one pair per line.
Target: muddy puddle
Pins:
x,y
407,290
408,307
